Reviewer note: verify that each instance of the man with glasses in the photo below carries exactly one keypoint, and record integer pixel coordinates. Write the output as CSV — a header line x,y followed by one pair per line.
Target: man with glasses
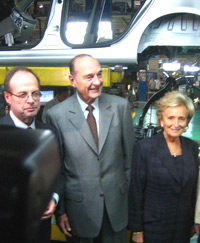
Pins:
x,y
22,93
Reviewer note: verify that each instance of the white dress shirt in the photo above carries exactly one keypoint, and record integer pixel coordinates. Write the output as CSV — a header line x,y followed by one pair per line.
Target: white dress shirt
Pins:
x,y
19,123
95,104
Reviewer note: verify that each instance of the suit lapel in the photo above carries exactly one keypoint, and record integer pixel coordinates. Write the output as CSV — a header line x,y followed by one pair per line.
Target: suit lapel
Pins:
x,y
187,157
105,117
168,161
166,158
76,117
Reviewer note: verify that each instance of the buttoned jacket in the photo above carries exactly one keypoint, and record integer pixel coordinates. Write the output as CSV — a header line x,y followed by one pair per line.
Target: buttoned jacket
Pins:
x,y
95,177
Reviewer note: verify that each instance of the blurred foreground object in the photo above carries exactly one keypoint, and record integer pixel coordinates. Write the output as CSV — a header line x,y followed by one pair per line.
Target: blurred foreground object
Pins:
x,y
29,166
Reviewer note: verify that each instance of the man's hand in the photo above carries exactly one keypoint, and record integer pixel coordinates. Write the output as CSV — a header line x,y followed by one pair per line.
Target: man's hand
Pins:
x,y
50,209
138,237
63,224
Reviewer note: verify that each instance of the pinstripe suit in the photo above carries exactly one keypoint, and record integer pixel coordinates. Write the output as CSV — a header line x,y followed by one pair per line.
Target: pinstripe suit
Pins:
x,y
159,205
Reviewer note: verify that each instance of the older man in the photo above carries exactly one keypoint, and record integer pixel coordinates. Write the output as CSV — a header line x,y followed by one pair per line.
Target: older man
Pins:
x,y
96,138
22,93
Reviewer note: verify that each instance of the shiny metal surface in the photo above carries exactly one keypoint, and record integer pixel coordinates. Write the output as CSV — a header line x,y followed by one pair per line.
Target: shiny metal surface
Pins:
x,y
140,35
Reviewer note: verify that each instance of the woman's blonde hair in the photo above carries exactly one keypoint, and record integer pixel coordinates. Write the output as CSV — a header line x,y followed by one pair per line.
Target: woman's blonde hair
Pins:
x,y
175,98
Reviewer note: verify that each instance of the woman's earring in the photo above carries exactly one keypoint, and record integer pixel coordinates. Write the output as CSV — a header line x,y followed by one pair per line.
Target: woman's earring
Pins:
x,y
162,125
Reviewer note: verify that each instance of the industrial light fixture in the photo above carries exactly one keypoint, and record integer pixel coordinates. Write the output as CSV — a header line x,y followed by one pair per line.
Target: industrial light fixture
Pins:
x,y
189,76
173,66
188,68
119,68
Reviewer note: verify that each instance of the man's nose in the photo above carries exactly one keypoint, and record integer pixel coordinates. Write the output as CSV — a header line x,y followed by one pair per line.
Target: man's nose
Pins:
x,y
30,99
96,80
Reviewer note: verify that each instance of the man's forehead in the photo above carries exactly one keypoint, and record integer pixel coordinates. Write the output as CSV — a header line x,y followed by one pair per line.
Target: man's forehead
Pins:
x,y
24,83
84,61
23,77
24,73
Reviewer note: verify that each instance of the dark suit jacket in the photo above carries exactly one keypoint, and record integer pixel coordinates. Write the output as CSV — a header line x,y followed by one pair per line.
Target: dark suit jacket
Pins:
x,y
159,204
7,120
44,234
95,176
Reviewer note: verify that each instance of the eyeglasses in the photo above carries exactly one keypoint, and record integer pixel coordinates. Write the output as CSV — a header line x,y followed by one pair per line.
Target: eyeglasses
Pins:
x,y
24,96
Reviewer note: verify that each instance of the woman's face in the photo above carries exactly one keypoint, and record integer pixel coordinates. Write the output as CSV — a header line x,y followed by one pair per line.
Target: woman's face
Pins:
x,y
174,121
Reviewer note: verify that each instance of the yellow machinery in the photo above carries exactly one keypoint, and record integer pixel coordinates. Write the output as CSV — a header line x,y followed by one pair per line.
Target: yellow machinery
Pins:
x,y
54,76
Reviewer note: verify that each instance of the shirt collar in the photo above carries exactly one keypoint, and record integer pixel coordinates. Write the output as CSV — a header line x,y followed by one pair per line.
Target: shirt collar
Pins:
x,y
19,123
83,105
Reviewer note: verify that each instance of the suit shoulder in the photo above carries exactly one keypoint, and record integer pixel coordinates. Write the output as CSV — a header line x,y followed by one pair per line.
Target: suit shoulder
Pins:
x,y
62,105
41,125
150,141
2,120
6,120
189,141
114,98
44,126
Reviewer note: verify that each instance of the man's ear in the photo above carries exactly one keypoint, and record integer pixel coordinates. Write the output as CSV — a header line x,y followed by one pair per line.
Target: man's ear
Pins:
x,y
7,97
71,78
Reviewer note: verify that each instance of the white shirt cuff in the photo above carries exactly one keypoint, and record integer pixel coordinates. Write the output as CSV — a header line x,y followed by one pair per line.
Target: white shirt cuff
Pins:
x,y
56,197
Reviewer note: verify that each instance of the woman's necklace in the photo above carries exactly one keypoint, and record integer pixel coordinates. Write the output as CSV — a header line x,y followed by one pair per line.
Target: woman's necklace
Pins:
x,y
174,148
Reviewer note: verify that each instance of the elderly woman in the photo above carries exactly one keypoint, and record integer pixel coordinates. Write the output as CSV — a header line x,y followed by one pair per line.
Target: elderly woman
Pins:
x,y
164,177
